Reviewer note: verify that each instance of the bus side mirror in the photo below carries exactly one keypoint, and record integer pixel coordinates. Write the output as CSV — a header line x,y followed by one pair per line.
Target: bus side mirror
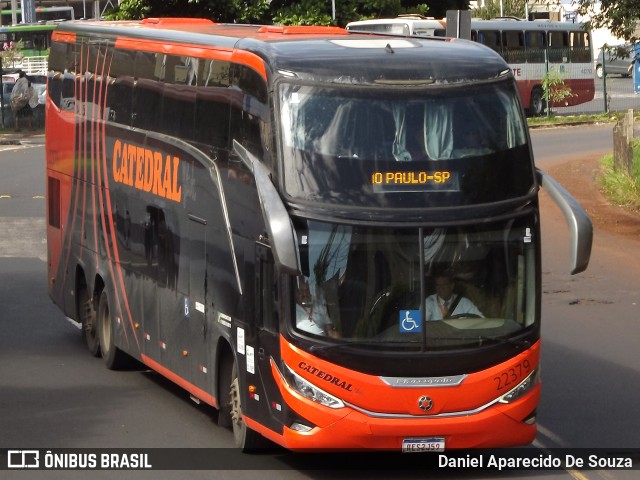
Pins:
x,y
278,223
580,227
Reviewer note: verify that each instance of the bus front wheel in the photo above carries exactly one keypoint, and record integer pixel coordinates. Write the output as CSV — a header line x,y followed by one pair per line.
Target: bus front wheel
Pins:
x,y
536,104
246,439
114,358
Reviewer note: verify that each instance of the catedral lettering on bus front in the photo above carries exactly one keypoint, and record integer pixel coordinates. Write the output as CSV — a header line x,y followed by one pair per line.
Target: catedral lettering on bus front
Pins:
x,y
332,238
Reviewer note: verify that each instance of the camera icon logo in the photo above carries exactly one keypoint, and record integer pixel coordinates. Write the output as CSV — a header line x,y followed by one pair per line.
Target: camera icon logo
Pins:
x,y
23,459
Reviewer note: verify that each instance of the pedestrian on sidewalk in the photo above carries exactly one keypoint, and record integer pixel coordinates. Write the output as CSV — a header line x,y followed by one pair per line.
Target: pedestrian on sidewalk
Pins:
x,y
20,96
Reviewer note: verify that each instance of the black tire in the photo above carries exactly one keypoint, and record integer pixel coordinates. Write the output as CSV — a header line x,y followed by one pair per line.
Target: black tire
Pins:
x,y
113,357
599,71
536,103
87,317
245,439
224,393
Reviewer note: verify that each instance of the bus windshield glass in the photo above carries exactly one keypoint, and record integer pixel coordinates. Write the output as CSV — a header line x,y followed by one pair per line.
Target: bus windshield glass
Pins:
x,y
416,288
397,147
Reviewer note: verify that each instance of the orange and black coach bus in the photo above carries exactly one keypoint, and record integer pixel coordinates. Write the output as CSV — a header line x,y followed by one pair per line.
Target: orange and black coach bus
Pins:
x,y
274,217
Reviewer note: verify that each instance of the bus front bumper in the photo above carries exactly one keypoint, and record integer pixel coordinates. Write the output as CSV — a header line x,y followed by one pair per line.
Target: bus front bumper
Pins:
x,y
499,425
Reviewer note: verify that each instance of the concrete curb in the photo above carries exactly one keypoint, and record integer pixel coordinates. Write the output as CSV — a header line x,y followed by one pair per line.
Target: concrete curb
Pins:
x,y
22,138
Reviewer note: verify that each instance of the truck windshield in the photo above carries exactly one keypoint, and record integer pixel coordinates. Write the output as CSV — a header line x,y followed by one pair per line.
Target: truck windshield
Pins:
x,y
416,288
391,147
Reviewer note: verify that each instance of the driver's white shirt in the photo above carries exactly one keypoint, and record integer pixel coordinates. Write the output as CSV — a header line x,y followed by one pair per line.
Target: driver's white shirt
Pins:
x,y
306,323
434,307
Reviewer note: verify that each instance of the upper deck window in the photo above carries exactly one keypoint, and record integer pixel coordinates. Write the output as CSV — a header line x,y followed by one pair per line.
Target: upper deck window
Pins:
x,y
363,147
391,28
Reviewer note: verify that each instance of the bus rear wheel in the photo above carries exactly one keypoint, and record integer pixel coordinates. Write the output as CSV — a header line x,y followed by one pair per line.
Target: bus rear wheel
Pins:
x,y
536,104
87,317
114,358
246,439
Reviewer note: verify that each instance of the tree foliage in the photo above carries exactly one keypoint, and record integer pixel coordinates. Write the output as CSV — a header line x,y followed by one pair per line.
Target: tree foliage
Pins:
x,y
619,16
555,88
240,11
282,12
12,52
510,8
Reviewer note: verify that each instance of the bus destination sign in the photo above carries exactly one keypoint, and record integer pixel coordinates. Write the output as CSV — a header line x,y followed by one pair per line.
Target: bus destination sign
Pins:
x,y
415,181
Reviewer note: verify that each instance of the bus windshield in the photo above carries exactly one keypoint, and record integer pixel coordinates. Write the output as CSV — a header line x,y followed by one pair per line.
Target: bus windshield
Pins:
x,y
442,145
416,288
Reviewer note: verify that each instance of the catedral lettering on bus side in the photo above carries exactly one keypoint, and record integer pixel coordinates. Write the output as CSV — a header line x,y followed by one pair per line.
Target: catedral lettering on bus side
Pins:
x,y
146,170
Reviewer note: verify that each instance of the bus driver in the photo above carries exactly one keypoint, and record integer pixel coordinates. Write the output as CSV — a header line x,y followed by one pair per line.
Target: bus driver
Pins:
x,y
445,303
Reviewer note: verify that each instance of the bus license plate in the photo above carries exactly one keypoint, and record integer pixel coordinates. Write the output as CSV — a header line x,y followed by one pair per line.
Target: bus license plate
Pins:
x,y
411,445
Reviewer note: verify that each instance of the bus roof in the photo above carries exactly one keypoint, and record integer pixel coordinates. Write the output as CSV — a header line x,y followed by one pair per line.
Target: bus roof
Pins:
x,y
354,58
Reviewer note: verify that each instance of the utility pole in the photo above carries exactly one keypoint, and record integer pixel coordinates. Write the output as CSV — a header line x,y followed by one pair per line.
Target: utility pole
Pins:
x,y
14,9
28,11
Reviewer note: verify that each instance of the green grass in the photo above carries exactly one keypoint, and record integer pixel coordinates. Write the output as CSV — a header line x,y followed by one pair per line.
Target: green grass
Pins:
x,y
622,188
574,119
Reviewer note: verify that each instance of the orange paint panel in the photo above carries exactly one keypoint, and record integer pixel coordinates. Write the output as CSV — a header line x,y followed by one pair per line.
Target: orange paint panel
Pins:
x,y
172,49
500,425
264,431
496,426
237,56
371,393
60,134
302,30
251,60
64,37
166,21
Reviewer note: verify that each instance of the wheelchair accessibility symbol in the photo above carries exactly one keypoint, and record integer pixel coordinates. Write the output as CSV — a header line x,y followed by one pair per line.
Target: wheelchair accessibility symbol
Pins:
x,y
410,321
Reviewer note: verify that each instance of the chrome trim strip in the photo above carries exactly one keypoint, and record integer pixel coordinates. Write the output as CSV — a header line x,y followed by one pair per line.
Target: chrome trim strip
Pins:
x,y
211,166
421,382
441,415
416,417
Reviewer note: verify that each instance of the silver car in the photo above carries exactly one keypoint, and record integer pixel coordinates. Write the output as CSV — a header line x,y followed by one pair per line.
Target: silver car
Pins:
x,y
615,59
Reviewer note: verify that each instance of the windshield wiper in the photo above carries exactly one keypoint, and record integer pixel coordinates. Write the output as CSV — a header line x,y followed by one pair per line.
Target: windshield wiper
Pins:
x,y
479,339
483,338
330,346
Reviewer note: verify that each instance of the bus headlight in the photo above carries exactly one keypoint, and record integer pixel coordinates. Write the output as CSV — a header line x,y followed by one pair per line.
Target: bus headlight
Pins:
x,y
523,387
309,390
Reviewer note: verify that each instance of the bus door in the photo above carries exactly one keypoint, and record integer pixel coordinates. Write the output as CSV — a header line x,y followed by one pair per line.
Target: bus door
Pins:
x,y
268,405
195,305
